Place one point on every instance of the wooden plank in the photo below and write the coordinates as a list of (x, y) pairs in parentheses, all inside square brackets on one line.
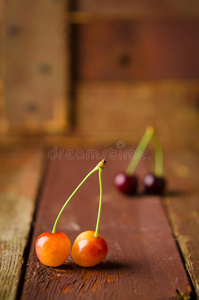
[(37, 67), (45, 141), (19, 180), (111, 111), (183, 209), (127, 50), (142, 9), (85, 17), (143, 261)]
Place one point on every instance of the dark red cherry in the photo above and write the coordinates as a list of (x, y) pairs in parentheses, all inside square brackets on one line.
[(154, 185), (126, 184)]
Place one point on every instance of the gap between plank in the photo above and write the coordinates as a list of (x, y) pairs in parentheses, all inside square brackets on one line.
[(29, 240), (192, 293)]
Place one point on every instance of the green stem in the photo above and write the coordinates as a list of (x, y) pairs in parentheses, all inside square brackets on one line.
[(100, 204), (140, 150), (158, 157), (61, 211)]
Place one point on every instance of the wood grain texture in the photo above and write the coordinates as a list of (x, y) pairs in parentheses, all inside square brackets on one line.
[(19, 180), (183, 209), (37, 64), (111, 111), (143, 261)]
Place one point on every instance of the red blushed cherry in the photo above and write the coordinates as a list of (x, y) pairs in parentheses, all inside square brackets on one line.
[(126, 184), (87, 250), (53, 248), (154, 185)]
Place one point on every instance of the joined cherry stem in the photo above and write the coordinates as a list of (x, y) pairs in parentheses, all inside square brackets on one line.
[(100, 204), (158, 157), (148, 135), (140, 150), (63, 207), (100, 166)]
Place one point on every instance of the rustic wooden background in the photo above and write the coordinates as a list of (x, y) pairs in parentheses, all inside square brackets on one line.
[(99, 72)]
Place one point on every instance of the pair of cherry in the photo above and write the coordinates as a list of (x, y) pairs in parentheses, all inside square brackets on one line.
[(128, 185), (127, 182), (89, 248)]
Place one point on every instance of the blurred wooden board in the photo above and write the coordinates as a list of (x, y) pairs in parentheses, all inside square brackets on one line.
[(143, 261), (111, 111), (36, 60), (142, 9), (128, 50), (20, 176)]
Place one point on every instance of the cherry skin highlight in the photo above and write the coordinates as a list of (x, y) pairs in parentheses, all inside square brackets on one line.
[(53, 248), (154, 185), (87, 250), (126, 184)]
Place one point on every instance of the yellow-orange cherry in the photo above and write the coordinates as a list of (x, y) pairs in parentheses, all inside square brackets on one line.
[(87, 250), (53, 248), (90, 248)]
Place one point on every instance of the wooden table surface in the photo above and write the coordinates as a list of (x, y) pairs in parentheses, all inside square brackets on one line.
[(153, 241)]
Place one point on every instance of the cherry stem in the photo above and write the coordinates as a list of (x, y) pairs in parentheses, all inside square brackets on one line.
[(101, 167), (100, 204), (149, 133), (61, 211), (158, 157)]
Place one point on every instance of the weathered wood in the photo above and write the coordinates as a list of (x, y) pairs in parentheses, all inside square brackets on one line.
[(111, 111), (183, 209), (20, 174), (37, 66), (143, 261)]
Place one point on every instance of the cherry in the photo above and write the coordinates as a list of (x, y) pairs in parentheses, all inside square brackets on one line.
[(87, 250), (126, 184), (53, 248), (154, 184), (90, 248)]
